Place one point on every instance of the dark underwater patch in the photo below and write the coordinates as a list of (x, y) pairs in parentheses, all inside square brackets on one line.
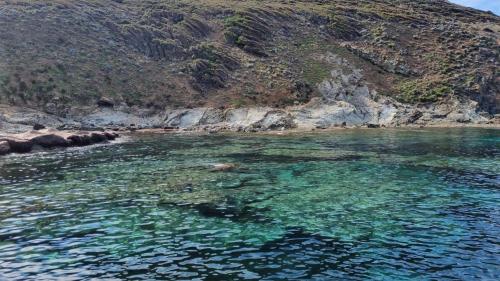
[(287, 159), (235, 213), (472, 178)]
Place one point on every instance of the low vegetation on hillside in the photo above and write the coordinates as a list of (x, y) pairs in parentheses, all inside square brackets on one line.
[(153, 54)]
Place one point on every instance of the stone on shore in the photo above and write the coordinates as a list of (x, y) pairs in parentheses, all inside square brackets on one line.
[(50, 138), (20, 146), (105, 102), (50, 141), (4, 147), (38, 127), (98, 137), (110, 136)]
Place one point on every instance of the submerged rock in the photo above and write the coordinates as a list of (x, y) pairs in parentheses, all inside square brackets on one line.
[(223, 167), (232, 212)]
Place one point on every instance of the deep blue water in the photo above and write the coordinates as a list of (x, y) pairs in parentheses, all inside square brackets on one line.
[(343, 205)]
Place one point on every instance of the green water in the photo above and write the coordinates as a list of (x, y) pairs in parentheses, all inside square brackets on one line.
[(343, 205)]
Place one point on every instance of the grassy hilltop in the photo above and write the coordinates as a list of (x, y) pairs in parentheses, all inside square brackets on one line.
[(226, 53)]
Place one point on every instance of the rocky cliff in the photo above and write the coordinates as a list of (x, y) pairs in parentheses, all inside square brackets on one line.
[(282, 64)]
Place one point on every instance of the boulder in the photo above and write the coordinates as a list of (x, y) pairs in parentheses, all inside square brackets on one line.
[(86, 140), (170, 128), (98, 137), (20, 146), (373, 126), (49, 141), (38, 127), (4, 147), (275, 120), (415, 116), (105, 102), (110, 136), (76, 140)]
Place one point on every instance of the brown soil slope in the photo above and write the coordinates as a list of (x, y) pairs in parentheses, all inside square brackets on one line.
[(58, 55)]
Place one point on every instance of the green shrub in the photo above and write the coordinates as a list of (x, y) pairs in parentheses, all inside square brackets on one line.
[(234, 20), (422, 91)]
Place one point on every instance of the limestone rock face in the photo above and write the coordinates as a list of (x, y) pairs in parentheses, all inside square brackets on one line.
[(276, 120), (185, 118)]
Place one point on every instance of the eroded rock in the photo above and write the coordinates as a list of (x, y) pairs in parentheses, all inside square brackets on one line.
[(38, 127), (105, 102), (98, 137), (20, 146), (50, 141), (50, 138), (4, 147)]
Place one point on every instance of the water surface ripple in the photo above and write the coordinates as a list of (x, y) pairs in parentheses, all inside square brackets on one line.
[(343, 205)]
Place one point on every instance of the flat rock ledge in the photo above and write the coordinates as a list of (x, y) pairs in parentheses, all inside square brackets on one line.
[(51, 138)]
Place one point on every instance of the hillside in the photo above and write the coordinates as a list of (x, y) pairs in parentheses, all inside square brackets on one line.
[(63, 55)]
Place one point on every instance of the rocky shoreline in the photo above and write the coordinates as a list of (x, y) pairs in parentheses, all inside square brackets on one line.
[(51, 138), (359, 109), (23, 130)]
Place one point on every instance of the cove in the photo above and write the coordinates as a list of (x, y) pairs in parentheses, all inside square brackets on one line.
[(395, 204)]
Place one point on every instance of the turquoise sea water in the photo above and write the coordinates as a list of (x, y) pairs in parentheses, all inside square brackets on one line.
[(343, 205)]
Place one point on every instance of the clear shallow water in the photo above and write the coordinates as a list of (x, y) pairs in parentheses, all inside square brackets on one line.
[(350, 205)]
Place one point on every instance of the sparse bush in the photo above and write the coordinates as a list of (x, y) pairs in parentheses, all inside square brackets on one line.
[(422, 91)]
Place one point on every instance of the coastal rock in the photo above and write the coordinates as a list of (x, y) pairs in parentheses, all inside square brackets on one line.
[(37, 127), (275, 120), (50, 141), (20, 146), (4, 147), (110, 135), (80, 140), (51, 138), (349, 104), (212, 116), (185, 118), (416, 115), (109, 118), (98, 137), (75, 140), (105, 102), (18, 119)]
